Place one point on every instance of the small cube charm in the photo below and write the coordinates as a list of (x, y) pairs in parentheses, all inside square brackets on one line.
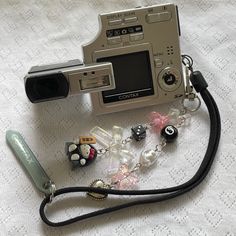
[(138, 132), (169, 133)]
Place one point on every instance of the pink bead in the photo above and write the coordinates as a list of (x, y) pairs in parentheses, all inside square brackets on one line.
[(129, 182), (124, 179), (158, 120)]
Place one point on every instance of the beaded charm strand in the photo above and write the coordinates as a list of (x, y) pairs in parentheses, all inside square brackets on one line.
[(122, 171)]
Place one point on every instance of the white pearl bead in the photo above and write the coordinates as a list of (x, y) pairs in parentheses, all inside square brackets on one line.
[(126, 157), (148, 158)]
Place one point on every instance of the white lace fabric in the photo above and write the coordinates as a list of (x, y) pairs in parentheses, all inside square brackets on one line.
[(40, 32)]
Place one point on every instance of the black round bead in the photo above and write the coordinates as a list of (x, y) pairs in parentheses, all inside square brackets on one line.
[(169, 133)]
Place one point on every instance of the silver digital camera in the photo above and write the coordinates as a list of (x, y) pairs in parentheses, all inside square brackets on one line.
[(142, 45)]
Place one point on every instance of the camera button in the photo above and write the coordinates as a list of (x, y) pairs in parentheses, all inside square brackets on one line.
[(115, 22), (169, 79), (131, 19), (157, 17), (124, 31), (136, 37), (114, 40), (165, 16), (158, 62)]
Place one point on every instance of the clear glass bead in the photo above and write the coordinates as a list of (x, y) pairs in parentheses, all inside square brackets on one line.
[(187, 119), (117, 133), (126, 157), (174, 115), (101, 135)]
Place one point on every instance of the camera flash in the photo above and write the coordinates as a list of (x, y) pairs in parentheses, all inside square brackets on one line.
[(92, 78), (96, 82)]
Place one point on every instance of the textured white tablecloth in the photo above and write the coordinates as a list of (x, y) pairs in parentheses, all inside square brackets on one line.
[(39, 32)]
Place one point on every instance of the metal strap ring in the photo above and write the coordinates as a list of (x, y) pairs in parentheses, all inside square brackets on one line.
[(193, 109)]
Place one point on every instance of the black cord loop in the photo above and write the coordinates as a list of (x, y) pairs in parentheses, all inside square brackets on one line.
[(159, 194)]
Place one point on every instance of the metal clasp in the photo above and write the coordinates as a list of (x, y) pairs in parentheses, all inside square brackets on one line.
[(189, 94), (51, 187)]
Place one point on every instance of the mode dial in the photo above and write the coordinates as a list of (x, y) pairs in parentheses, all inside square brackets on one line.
[(169, 79)]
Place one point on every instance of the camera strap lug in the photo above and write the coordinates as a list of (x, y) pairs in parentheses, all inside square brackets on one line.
[(190, 95)]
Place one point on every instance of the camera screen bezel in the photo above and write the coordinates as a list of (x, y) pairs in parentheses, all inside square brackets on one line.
[(133, 76), (128, 50)]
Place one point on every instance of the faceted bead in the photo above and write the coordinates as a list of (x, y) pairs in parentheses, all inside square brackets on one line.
[(124, 179), (128, 183), (115, 147), (117, 156), (187, 119), (112, 166), (158, 120), (148, 158), (126, 158), (138, 132), (174, 115), (169, 133)]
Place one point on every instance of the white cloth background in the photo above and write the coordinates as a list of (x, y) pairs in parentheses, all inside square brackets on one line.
[(39, 32)]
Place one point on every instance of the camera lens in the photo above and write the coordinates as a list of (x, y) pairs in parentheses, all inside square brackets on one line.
[(47, 87), (169, 79)]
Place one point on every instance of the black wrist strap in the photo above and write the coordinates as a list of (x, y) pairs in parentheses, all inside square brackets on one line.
[(155, 195)]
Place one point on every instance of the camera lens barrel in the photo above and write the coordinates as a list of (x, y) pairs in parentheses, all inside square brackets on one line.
[(48, 82), (45, 87)]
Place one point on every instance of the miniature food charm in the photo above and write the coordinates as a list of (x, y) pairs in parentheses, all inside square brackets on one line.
[(80, 154)]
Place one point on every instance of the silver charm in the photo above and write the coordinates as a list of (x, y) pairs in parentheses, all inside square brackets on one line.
[(98, 183)]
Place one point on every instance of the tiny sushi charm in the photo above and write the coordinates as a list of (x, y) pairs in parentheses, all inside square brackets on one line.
[(80, 154)]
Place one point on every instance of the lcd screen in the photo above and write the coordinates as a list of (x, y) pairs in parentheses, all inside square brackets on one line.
[(133, 77)]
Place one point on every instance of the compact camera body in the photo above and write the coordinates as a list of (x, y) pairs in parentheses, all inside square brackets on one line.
[(133, 62), (143, 46)]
